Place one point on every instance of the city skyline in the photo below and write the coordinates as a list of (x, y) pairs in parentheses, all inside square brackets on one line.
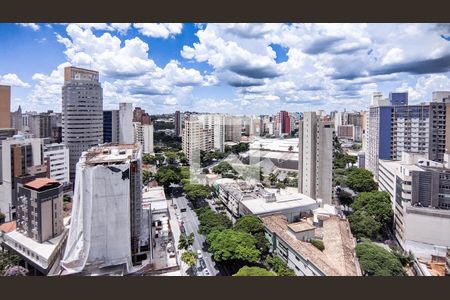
[(237, 68)]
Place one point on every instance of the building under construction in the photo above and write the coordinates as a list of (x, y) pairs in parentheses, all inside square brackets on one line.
[(106, 222)]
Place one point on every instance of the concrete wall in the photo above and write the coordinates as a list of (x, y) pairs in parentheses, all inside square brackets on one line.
[(125, 123)]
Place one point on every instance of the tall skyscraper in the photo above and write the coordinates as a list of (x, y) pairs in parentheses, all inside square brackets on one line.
[(125, 123), (40, 125), (107, 210), (285, 123), (57, 157), (178, 124), (82, 112), (143, 134), (5, 106), (139, 115), (315, 158), (111, 126), (16, 119), (196, 138)]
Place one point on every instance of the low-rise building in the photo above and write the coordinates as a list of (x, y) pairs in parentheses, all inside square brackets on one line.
[(291, 242)]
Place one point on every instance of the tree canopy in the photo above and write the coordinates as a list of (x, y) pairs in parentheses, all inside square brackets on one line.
[(363, 225), (376, 204), (167, 175), (254, 226), (210, 220), (185, 241), (195, 192), (147, 176), (377, 261), (7, 260), (360, 180), (230, 244), (189, 257), (279, 266), (253, 271), (224, 168)]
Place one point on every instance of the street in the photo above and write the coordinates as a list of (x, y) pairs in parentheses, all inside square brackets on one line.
[(191, 224)]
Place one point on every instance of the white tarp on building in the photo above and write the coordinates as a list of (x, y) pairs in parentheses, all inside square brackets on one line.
[(100, 228)]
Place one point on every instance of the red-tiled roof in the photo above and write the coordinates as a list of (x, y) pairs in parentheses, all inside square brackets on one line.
[(39, 183), (8, 227)]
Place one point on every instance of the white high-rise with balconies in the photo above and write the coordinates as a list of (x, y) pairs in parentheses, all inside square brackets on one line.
[(125, 123)]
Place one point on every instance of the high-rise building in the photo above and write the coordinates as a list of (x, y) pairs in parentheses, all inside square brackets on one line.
[(315, 157), (107, 210), (5, 133), (196, 138), (16, 119), (40, 209), (57, 156), (40, 125), (233, 128), (5, 106), (125, 123), (82, 112), (411, 128), (19, 156), (398, 98), (147, 146), (215, 122), (284, 122), (178, 125), (139, 115), (143, 134), (110, 126)]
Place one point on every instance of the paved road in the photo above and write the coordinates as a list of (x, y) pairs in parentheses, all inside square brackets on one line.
[(191, 224)]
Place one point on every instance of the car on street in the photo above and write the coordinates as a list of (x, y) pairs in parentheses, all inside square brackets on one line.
[(199, 254), (206, 272), (175, 206)]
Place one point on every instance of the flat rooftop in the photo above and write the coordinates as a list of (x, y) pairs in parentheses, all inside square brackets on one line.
[(154, 198), (277, 144), (301, 226), (338, 258), (259, 205), (110, 153)]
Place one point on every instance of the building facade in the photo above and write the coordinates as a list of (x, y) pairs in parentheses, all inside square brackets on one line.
[(5, 106), (110, 126), (82, 112), (178, 123), (315, 164), (125, 123), (57, 156)]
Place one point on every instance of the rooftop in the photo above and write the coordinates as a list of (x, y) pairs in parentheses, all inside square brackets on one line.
[(278, 144), (111, 153), (8, 227), (300, 226), (338, 258), (42, 183)]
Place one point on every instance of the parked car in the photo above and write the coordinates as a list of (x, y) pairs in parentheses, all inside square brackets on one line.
[(206, 272), (175, 206), (199, 254)]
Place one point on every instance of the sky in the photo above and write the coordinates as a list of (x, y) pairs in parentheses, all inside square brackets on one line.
[(227, 68)]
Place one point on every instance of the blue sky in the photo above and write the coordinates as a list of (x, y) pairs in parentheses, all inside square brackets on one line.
[(231, 68)]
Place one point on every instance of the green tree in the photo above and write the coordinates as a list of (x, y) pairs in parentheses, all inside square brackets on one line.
[(149, 159), (405, 258), (363, 225), (254, 226), (185, 241), (210, 221), (168, 175), (189, 258), (7, 260), (279, 266), (377, 261), (224, 168), (345, 198), (230, 244), (361, 180), (376, 204), (171, 157), (195, 192), (253, 271), (147, 176)]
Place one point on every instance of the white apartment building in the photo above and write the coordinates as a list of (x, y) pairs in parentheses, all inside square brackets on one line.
[(420, 193), (58, 156), (143, 134), (125, 123), (196, 138), (315, 163), (215, 122)]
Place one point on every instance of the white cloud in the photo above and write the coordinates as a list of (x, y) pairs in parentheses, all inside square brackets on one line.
[(424, 87), (395, 55), (159, 30), (33, 26), (13, 80)]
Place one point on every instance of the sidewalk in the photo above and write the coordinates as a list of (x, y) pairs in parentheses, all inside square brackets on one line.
[(176, 232)]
